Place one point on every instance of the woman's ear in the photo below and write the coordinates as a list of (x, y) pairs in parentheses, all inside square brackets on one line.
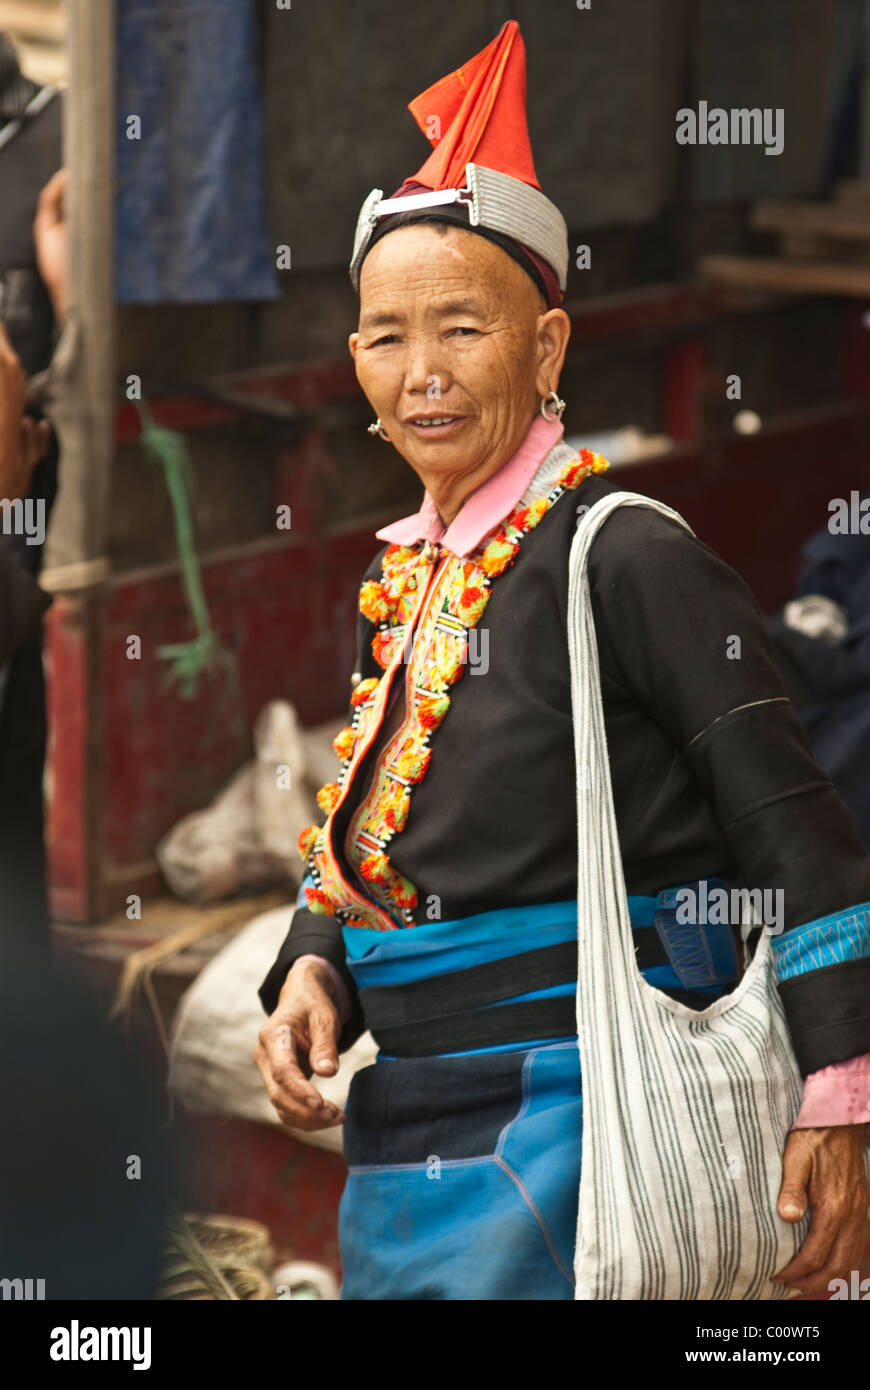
[(554, 330)]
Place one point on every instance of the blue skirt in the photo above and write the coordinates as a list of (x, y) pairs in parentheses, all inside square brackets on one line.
[(484, 1205), (464, 1166)]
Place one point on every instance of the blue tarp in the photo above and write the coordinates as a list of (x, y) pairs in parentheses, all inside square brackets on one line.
[(190, 224)]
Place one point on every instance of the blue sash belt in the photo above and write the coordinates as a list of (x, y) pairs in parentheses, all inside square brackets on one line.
[(449, 987)]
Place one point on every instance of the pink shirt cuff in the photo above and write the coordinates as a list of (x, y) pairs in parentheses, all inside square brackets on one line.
[(837, 1095), (344, 1009)]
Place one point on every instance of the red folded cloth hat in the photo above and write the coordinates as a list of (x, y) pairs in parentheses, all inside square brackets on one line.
[(477, 114), (475, 119)]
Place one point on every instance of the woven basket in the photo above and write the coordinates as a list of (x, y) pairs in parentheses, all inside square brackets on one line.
[(216, 1257)]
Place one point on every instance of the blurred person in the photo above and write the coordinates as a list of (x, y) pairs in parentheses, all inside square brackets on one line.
[(84, 1167), (441, 899), (32, 291), (30, 155), (23, 441), (84, 1164), (821, 640)]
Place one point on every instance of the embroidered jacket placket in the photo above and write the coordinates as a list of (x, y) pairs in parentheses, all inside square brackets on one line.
[(416, 620)]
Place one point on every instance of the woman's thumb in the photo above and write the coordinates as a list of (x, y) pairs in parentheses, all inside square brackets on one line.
[(323, 1053), (797, 1165)]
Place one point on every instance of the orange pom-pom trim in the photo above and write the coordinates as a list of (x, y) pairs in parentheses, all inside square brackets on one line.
[(431, 709), (373, 603), (307, 840), (343, 743), (328, 796), (365, 688), (320, 902), (375, 867), (383, 648)]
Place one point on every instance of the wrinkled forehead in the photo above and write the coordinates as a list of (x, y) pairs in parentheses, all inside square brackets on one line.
[(437, 261)]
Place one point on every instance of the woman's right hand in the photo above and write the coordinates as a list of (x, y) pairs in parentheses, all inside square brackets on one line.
[(299, 1038)]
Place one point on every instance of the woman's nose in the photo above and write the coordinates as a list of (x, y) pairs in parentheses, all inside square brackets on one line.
[(425, 370)]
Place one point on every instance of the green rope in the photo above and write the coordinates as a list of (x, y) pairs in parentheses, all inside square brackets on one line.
[(188, 660)]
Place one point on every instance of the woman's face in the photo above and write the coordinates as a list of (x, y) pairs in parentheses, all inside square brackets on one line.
[(452, 330)]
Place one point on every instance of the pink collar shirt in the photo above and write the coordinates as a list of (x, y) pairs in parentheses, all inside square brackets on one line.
[(487, 506)]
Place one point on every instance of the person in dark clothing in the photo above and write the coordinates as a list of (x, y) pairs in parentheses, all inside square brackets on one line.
[(30, 157), (23, 442), (821, 641), (85, 1166)]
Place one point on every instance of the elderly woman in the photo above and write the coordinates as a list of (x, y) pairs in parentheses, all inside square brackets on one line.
[(440, 900)]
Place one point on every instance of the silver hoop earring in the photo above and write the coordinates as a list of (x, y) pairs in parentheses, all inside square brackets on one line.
[(376, 428), (558, 406)]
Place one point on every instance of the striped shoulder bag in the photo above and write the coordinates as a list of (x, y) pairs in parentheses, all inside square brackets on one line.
[(685, 1114)]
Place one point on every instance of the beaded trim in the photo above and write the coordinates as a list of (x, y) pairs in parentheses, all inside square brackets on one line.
[(449, 599)]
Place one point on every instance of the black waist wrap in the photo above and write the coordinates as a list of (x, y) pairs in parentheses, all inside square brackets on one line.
[(462, 1010)]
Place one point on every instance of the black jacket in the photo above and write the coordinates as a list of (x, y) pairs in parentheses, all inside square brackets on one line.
[(711, 769)]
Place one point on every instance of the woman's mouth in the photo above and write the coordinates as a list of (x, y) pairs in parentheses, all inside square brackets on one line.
[(435, 426)]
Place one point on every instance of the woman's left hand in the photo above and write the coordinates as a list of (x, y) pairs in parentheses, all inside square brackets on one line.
[(824, 1168)]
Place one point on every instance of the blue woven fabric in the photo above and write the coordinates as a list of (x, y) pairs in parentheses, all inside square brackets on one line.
[(702, 953), (842, 936)]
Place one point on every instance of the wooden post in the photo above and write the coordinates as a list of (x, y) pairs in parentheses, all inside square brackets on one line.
[(82, 409)]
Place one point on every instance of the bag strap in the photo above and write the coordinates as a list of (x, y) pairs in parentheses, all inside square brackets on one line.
[(602, 903)]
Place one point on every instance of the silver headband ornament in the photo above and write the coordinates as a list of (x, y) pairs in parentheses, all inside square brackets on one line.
[(495, 201)]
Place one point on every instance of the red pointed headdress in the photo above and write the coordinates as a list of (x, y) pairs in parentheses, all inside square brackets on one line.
[(477, 114), (480, 173)]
